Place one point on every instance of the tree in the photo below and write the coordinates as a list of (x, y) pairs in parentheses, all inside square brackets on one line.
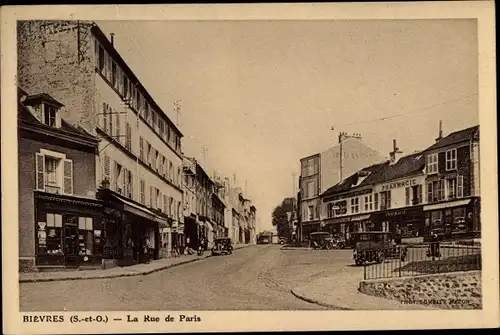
[(280, 218)]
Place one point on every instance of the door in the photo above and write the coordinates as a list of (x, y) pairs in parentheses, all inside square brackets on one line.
[(71, 241)]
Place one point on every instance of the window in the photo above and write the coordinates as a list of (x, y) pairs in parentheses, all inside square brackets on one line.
[(54, 173), (162, 128), (117, 132), (149, 152), (49, 115), (416, 194), (385, 200), (432, 163), (154, 118), (451, 159), (310, 167), (141, 149), (100, 59), (152, 193), (50, 240), (329, 209), (143, 192), (179, 210), (126, 87), (311, 189), (310, 212), (154, 154), (128, 183), (116, 182), (170, 170), (138, 100), (113, 74), (460, 186), (452, 188), (165, 204), (85, 236), (435, 191), (368, 203), (128, 136), (355, 205), (375, 205), (168, 134)]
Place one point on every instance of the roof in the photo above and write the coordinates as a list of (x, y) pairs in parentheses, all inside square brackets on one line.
[(405, 166), (382, 172), (31, 99), (26, 117), (348, 183), (463, 135)]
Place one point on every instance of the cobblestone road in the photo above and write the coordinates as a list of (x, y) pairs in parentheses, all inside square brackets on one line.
[(253, 278)]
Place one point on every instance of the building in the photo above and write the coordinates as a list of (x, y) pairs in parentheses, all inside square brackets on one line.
[(190, 204), (453, 187), (60, 219), (139, 161), (435, 191), (219, 209), (323, 170)]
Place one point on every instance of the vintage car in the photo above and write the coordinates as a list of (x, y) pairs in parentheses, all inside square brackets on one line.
[(321, 240), (376, 246), (222, 246)]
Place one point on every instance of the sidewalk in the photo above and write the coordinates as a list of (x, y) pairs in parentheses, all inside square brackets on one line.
[(341, 292), (134, 270)]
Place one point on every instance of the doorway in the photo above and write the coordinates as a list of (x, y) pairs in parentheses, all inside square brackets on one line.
[(71, 241)]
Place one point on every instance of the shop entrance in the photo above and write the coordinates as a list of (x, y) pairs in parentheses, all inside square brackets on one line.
[(70, 241)]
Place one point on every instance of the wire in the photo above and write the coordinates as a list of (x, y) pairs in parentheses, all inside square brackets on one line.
[(419, 110)]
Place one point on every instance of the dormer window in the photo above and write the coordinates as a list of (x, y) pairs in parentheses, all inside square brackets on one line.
[(50, 115), (45, 108)]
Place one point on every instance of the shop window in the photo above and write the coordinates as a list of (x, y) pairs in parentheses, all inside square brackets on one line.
[(85, 236), (50, 241), (54, 173)]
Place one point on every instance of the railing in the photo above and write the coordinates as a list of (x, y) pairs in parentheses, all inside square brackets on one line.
[(421, 259)]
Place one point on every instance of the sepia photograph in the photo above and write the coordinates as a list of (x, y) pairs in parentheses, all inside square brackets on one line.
[(189, 165)]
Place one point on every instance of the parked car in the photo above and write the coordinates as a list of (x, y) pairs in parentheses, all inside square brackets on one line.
[(282, 240), (222, 246), (376, 246), (322, 240)]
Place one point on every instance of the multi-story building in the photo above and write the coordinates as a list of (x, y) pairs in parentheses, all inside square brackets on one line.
[(452, 183), (218, 210), (60, 219), (190, 204), (323, 170), (435, 191), (139, 160), (382, 197)]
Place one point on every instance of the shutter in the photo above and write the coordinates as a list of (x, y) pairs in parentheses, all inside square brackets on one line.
[(131, 185), (40, 172), (118, 127), (441, 162), (407, 193), (68, 177), (419, 194), (125, 183), (150, 196), (110, 119), (105, 117), (460, 186)]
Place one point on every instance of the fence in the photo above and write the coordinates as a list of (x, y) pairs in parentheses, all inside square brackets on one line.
[(419, 259)]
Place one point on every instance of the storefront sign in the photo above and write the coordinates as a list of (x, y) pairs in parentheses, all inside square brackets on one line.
[(397, 184), (396, 213)]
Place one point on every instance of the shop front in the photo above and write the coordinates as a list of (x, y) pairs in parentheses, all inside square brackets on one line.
[(191, 231), (345, 226), (68, 231), (459, 218), (405, 222), (131, 233)]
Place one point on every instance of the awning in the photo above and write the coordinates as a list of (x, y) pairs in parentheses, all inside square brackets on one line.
[(447, 205), (346, 219), (138, 210)]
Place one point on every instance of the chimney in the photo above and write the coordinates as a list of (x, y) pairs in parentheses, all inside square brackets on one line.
[(112, 39), (440, 136), (395, 154)]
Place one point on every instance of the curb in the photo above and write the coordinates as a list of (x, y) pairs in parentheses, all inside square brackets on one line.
[(316, 302), (127, 274)]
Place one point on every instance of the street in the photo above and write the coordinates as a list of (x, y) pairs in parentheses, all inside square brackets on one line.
[(255, 278)]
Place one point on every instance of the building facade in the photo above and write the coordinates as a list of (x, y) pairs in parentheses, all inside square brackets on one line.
[(435, 191), (452, 180), (139, 161), (60, 219), (323, 170)]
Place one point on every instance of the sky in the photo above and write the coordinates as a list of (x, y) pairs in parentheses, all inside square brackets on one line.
[(260, 95)]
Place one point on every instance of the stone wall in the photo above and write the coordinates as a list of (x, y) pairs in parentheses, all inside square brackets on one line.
[(457, 290)]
